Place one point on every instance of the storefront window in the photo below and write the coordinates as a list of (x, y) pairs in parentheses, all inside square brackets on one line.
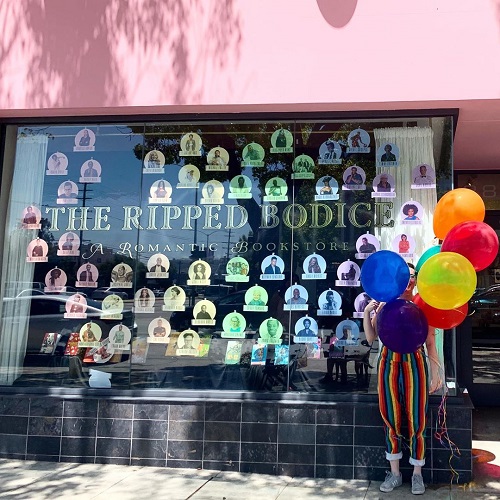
[(210, 255)]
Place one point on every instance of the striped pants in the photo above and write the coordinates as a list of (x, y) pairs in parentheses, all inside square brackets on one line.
[(402, 384)]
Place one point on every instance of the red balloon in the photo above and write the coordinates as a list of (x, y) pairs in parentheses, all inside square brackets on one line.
[(476, 241), (441, 318)]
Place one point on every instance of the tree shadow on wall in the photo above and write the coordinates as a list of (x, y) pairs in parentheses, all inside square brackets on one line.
[(87, 52)]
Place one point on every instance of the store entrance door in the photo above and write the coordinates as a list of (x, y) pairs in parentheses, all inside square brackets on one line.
[(483, 325)]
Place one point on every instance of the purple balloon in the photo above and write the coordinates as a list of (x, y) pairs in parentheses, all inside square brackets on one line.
[(402, 326)]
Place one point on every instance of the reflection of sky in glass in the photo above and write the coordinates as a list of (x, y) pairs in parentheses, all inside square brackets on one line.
[(124, 184)]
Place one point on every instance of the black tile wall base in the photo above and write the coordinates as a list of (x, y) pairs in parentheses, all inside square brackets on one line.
[(342, 440)]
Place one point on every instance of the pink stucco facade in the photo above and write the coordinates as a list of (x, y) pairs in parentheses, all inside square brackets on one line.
[(63, 57)]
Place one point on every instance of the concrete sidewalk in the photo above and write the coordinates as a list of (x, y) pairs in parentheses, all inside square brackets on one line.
[(39, 480)]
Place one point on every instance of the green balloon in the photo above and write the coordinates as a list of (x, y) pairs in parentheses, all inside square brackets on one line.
[(428, 253)]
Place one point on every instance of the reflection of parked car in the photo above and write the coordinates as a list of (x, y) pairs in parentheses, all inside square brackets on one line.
[(102, 293), (46, 314), (484, 308)]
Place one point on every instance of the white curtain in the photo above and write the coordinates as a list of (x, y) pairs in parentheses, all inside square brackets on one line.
[(26, 189), (415, 147)]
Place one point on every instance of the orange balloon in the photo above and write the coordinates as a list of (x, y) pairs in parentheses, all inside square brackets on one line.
[(456, 206)]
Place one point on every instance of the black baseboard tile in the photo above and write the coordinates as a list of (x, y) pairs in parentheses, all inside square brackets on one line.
[(80, 408), (369, 436), (45, 426), (40, 457), (227, 431), (111, 409), (297, 415), (13, 443), (78, 447), (184, 464), (150, 411), (190, 431), (12, 456), (115, 428), (13, 425), (219, 465), (371, 473), (148, 462), (369, 456), (445, 476), (78, 426), (368, 416), (296, 454), (253, 432), (187, 412), (334, 455), (113, 447), (43, 445), (213, 451), (259, 468), (150, 429), (77, 460), (227, 412), (334, 471), (112, 460), (149, 448), (14, 406), (259, 413), (185, 450), (335, 434), (46, 407), (261, 452), (295, 470), (335, 415)]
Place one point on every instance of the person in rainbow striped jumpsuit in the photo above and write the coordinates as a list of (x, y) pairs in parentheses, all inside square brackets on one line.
[(403, 385)]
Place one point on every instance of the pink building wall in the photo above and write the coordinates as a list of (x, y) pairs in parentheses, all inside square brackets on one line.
[(60, 57)]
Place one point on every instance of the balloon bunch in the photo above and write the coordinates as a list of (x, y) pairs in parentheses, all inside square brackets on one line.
[(447, 273), (401, 325)]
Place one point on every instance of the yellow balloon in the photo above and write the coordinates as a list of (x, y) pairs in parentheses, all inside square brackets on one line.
[(446, 280)]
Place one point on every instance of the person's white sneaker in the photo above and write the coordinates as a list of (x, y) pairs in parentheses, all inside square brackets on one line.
[(391, 481), (417, 484)]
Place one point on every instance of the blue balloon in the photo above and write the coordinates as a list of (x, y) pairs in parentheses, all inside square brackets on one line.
[(428, 253), (385, 275), (402, 326)]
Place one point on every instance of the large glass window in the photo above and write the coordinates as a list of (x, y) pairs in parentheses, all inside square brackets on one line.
[(210, 255)]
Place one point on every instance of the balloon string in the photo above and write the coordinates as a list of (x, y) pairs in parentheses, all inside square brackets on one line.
[(441, 433)]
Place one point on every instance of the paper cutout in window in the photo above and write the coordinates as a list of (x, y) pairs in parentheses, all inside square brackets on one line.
[(217, 160), (360, 303), (55, 280), (411, 213), (144, 301), (237, 270), (253, 155), (240, 187), (259, 354), (276, 190), (57, 164), (233, 326), (423, 177), (272, 268), (122, 276), (281, 141), (358, 141), (112, 307), (314, 267), (199, 273), (212, 193), (281, 354), (233, 352), (188, 343), (404, 244), (189, 176), (327, 189), (91, 171), (387, 155), (31, 218), (158, 266), (90, 334), (87, 276), (67, 193), (256, 299), (154, 162), (37, 251), (120, 336), (174, 299), (84, 140), (330, 303), (139, 350), (348, 274), (366, 244), (68, 245), (190, 144), (303, 167), (159, 331), (354, 178), (160, 193), (384, 186), (76, 306), (270, 331), (204, 313), (296, 298), (330, 153), (306, 330)]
